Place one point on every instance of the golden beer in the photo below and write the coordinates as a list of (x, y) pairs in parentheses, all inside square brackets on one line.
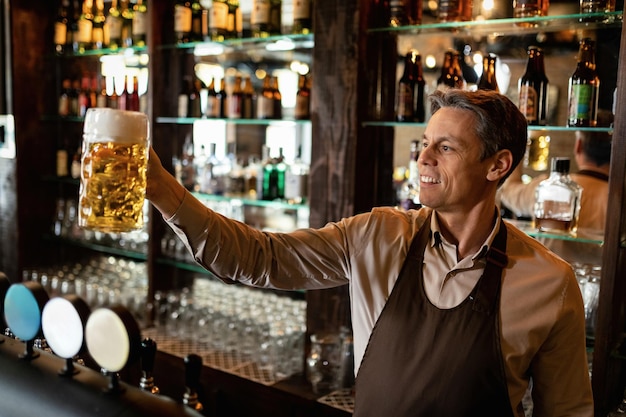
[(113, 170)]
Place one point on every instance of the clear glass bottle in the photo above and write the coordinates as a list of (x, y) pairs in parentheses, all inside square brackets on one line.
[(584, 87), (533, 88), (557, 200), (296, 180)]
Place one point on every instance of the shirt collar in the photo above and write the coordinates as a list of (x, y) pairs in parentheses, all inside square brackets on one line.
[(436, 238)]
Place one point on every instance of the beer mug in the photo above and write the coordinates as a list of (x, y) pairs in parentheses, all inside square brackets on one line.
[(113, 170)]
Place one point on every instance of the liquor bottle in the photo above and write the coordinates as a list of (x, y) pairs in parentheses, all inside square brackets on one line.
[(584, 86), (557, 200), (123, 95), (235, 103), (276, 13), (405, 12), (140, 23), (488, 77), (75, 165), (265, 100), (533, 88), (195, 104), (102, 98), (596, 6), (260, 18), (132, 101), (223, 98), (62, 162), (113, 27), (73, 97), (72, 27), (419, 109), (274, 178), (188, 171), (406, 94), (218, 20), (278, 99), (182, 21), (208, 182), (64, 98), (454, 10), (302, 17), (409, 195), (303, 99), (196, 21), (97, 29), (182, 109), (127, 23), (212, 109), (85, 27), (248, 104), (83, 96), (235, 20), (451, 73), (297, 180), (61, 27)]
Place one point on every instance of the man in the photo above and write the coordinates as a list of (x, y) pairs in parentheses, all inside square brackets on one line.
[(592, 153), (453, 310)]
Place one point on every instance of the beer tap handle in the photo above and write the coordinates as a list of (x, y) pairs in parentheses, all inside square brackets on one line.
[(148, 354), (193, 369)]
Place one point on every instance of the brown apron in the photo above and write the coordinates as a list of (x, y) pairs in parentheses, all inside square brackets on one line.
[(428, 362)]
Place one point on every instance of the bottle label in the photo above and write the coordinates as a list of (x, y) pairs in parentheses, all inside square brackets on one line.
[(581, 101), (295, 186), (182, 19), (84, 31), (528, 102), (218, 19), (265, 108), (302, 9), (260, 13), (405, 101), (60, 33), (140, 24), (114, 25)]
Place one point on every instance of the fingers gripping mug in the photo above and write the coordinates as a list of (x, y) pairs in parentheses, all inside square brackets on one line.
[(113, 170)]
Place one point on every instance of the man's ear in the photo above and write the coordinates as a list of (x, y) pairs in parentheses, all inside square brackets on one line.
[(502, 163)]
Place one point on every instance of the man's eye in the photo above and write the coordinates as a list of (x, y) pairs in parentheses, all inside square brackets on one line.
[(445, 148)]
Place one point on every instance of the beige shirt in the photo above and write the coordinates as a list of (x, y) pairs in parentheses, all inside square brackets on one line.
[(542, 316)]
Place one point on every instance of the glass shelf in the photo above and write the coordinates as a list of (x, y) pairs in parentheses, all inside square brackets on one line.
[(582, 236), (512, 26), (277, 42), (551, 128), (100, 248), (284, 205), (260, 122), (132, 50)]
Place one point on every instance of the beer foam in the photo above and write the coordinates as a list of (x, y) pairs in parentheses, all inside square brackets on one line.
[(117, 125)]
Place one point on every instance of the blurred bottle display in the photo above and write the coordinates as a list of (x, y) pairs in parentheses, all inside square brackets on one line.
[(487, 79), (265, 100), (260, 23), (276, 13), (212, 109), (596, 6), (454, 10), (451, 73), (234, 28), (197, 32), (72, 27), (223, 97), (140, 23), (405, 12), (303, 99), (297, 180), (557, 200), (302, 17), (410, 94), (529, 8), (235, 103), (113, 27), (274, 177), (533, 88), (584, 86), (248, 104), (61, 27), (277, 99)]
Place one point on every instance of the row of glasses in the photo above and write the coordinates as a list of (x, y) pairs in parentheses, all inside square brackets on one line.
[(101, 281), (259, 325)]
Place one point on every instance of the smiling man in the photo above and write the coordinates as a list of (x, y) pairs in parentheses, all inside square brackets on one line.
[(454, 311)]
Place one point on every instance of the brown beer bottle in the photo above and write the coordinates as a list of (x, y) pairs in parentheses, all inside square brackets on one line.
[(410, 94), (584, 86), (488, 77), (533, 88), (451, 73)]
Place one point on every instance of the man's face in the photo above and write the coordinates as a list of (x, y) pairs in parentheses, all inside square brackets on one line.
[(452, 176)]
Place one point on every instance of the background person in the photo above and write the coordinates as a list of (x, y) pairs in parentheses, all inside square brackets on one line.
[(453, 310)]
